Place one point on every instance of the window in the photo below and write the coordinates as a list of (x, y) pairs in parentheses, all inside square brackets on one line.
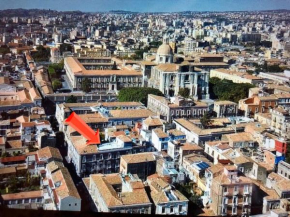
[(69, 205), (234, 210), (84, 167), (246, 188), (180, 208), (76, 204), (163, 209), (225, 189), (236, 188), (94, 157), (84, 159), (235, 200), (171, 209), (101, 156)]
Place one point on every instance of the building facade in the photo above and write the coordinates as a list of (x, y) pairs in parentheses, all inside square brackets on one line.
[(102, 72)]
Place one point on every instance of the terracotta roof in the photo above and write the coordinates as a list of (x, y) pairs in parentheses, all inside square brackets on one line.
[(2, 140), (7, 170), (79, 142), (14, 144), (281, 183), (167, 67), (133, 113), (78, 69), (93, 118), (114, 179), (4, 80), (124, 138), (225, 103), (150, 121), (28, 124), (176, 132), (191, 147), (120, 104), (239, 74), (110, 196), (34, 94), (160, 134), (138, 158), (13, 159), (23, 195), (216, 168), (240, 137), (67, 187), (223, 179), (24, 96), (49, 152), (54, 165)]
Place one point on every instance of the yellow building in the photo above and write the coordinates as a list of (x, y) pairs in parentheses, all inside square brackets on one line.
[(236, 77)]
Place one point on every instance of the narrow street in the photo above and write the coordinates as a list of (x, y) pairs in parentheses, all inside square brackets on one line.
[(87, 202)]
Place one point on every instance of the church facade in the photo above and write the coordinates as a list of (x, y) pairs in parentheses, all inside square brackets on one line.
[(169, 77)]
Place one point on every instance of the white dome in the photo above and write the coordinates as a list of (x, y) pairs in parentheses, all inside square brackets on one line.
[(164, 49)]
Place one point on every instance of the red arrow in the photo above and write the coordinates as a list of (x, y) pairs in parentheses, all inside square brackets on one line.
[(79, 125)]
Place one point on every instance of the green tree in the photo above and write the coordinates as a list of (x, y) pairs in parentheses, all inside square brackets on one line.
[(205, 120), (65, 47), (137, 94), (6, 154), (86, 85), (55, 69), (227, 90), (56, 84), (155, 44), (184, 92), (72, 99), (274, 68), (41, 54), (51, 72), (4, 50)]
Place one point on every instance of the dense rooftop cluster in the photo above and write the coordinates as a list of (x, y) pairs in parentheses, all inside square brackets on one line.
[(193, 111)]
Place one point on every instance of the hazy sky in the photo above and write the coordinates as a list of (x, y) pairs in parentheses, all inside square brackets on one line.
[(147, 5)]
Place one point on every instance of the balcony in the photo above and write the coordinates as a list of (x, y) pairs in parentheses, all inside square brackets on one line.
[(246, 191), (235, 192), (226, 193), (245, 203)]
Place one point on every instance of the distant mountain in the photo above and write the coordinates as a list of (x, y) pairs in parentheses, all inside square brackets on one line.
[(122, 12), (20, 12)]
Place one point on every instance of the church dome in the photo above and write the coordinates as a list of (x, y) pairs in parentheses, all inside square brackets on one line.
[(164, 49)]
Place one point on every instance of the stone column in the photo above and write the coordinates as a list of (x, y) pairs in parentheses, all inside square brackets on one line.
[(195, 84), (191, 84), (177, 83)]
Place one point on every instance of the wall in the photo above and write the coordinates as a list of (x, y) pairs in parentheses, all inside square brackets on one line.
[(70, 204)]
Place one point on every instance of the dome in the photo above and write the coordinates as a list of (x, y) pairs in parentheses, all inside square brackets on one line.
[(164, 49)]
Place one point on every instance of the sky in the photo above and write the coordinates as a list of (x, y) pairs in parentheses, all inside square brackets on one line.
[(147, 5)]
